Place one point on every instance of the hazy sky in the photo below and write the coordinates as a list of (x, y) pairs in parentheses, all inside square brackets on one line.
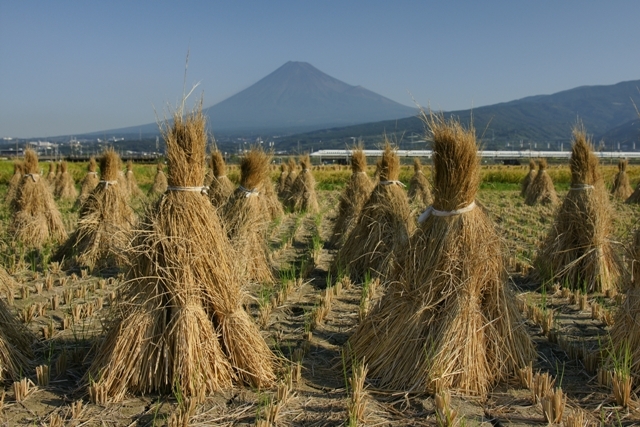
[(68, 67)]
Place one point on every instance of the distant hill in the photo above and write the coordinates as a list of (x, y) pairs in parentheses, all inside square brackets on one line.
[(543, 121)]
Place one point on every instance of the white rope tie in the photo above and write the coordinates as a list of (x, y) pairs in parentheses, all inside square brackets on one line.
[(203, 190), (92, 173), (581, 187), (249, 193), (34, 176), (107, 183), (432, 211), (392, 182)]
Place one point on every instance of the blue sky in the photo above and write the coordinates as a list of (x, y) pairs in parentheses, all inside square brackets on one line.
[(68, 67)]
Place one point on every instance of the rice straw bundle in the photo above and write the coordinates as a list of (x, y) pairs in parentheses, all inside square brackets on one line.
[(383, 227), (180, 323), (89, 182), (419, 191), (14, 182), (302, 196), (36, 217), (282, 180), (448, 321), (621, 187), (221, 186), (159, 182), (246, 218), (353, 197), (104, 227), (15, 345), (7, 283), (528, 179), (58, 174), (578, 252), (288, 185), (274, 207), (65, 187), (541, 190), (51, 176), (132, 184), (123, 184), (625, 329)]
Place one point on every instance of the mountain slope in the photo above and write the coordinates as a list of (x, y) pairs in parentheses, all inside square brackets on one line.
[(543, 119), (299, 95)]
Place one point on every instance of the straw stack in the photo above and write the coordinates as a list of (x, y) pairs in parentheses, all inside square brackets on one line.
[(578, 252), (132, 183), (625, 329), (180, 323), (419, 191), (65, 187), (282, 180), (36, 217), (621, 188), (221, 186), (159, 182), (246, 218), (104, 227), (383, 228), (89, 182), (288, 184), (541, 190), (15, 345), (14, 182), (354, 196), (302, 196), (528, 179), (449, 321), (51, 176), (274, 207)]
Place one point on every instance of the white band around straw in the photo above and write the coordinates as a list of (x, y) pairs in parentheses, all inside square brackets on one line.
[(432, 211), (249, 193), (392, 182), (203, 189), (92, 173), (581, 187), (34, 176), (107, 183)]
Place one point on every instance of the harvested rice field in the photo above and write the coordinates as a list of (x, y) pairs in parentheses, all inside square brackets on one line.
[(307, 315)]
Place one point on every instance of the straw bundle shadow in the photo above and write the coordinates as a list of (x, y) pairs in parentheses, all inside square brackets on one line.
[(159, 182), (288, 184), (419, 187), (578, 252), (528, 179), (383, 227), (14, 182), (15, 345), (448, 321), (132, 183), (302, 196), (36, 217), (541, 190), (625, 329), (180, 323), (89, 182), (246, 218), (353, 197), (621, 188), (104, 226), (65, 187), (221, 186)]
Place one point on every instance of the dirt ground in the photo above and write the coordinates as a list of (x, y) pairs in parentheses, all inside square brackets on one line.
[(319, 395)]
